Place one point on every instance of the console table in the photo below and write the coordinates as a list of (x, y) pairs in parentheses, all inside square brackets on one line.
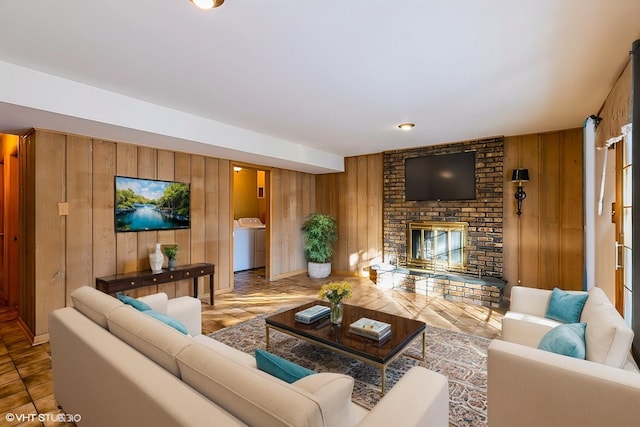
[(140, 279)]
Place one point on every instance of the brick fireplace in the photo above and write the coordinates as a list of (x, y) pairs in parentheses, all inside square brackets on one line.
[(437, 245), (477, 269)]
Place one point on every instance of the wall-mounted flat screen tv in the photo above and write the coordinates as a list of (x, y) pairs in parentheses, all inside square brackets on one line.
[(149, 204), (441, 177)]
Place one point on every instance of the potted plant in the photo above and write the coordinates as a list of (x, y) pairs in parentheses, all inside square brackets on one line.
[(171, 252), (320, 231)]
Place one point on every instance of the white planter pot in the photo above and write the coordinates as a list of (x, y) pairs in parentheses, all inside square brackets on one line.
[(319, 270)]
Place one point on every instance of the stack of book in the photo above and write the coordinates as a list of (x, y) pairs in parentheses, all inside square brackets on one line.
[(370, 328), (312, 314)]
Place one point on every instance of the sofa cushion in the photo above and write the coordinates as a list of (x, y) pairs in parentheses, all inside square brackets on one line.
[(94, 304), (158, 302), (334, 394), (229, 352), (526, 329), (608, 337), (167, 320), (281, 368), (527, 300), (137, 304), (253, 396), (150, 337), (567, 340), (597, 297), (566, 307), (188, 310)]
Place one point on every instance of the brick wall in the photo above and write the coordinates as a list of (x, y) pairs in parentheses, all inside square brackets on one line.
[(484, 214)]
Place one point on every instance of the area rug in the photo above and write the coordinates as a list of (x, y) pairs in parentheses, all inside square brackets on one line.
[(461, 357)]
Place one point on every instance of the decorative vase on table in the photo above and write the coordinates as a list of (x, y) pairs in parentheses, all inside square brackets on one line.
[(156, 259), (336, 313), (335, 292)]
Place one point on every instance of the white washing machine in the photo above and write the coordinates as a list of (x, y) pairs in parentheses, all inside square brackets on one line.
[(249, 244), (260, 247), (242, 247)]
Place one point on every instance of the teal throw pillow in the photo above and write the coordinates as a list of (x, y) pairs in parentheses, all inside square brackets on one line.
[(135, 303), (279, 367), (565, 307), (566, 339), (174, 323)]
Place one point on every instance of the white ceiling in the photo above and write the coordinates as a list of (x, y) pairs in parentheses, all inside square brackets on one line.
[(300, 84)]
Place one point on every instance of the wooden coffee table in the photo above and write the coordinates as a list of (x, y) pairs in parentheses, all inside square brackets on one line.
[(339, 339)]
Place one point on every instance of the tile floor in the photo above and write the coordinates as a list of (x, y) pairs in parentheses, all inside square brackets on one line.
[(25, 372)]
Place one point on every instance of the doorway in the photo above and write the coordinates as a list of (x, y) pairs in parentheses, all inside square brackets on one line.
[(250, 215), (9, 202)]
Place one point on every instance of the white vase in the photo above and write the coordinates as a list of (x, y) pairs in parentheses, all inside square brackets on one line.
[(156, 259)]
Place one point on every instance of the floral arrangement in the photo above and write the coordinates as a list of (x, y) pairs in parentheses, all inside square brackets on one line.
[(336, 291)]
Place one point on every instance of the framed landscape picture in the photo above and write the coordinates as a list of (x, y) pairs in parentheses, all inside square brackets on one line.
[(150, 204)]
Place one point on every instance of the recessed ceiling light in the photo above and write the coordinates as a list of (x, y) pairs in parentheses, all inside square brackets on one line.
[(406, 126), (207, 4)]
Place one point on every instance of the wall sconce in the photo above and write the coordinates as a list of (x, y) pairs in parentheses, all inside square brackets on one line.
[(520, 176)]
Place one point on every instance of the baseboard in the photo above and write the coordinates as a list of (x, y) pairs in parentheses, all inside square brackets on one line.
[(347, 273), (33, 339), (289, 274)]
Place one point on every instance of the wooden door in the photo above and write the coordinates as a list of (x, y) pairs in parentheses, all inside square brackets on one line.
[(11, 233)]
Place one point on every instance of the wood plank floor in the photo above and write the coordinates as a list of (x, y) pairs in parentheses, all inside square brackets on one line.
[(25, 371), (253, 295)]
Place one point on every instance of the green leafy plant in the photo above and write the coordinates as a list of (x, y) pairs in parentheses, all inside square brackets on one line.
[(171, 251), (320, 231)]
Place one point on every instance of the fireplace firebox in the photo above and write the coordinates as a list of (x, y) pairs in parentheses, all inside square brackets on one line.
[(437, 246)]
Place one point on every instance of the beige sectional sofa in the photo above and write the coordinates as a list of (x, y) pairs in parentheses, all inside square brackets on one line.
[(532, 387), (114, 365)]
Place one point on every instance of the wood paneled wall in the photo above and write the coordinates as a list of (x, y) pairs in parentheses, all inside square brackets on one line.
[(354, 198), (292, 199), (544, 247), (42, 230), (61, 253)]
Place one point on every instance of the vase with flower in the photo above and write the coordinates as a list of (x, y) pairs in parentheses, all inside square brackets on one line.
[(335, 292)]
